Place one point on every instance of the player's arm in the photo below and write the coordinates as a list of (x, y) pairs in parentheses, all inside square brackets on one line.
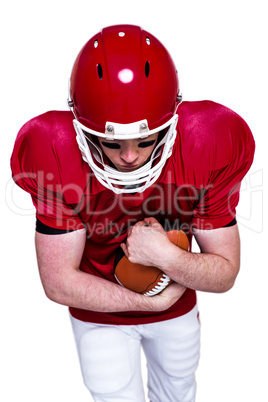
[(59, 258), (220, 255), (213, 270)]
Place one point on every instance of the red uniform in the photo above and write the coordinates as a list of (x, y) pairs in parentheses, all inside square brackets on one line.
[(198, 186)]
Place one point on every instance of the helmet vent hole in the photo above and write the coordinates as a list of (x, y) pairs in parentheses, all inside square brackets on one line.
[(100, 72), (147, 69), (96, 43), (148, 41)]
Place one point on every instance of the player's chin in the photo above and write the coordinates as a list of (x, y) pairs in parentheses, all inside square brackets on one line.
[(130, 168)]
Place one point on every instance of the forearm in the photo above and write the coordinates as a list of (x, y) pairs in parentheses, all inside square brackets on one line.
[(200, 271), (64, 283), (88, 292)]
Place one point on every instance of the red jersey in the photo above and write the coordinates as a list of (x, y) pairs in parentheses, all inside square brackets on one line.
[(198, 187)]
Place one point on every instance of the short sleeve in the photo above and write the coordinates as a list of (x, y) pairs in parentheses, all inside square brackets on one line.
[(36, 168), (221, 156), (219, 198)]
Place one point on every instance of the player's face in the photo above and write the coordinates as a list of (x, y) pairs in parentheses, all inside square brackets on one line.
[(129, 155)]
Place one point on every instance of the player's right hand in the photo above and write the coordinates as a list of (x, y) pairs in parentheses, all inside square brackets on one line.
[(168, 297)]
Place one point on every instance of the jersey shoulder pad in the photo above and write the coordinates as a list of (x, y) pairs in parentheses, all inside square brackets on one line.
[(211, 134), (46, 149)]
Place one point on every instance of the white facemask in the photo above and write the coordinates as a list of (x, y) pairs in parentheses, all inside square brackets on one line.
[(125, 182)]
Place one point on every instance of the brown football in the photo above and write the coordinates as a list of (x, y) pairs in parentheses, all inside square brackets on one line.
[(143, 279)]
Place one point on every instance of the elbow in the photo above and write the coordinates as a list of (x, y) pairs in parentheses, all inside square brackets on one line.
[(221, 287), (227, 286), (55, 293), (229, 282)]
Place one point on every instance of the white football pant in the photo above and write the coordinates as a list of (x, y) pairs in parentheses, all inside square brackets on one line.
[(110, 359)]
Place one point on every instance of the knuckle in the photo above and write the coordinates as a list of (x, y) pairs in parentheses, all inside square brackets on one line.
[(131, 258)]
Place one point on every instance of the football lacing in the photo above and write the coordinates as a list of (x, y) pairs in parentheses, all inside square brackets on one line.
[(164, 281)]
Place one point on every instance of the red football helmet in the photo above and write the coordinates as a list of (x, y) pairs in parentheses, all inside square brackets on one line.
[(124, 85)]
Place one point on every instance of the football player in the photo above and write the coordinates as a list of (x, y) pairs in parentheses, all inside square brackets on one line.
[(126, 163)]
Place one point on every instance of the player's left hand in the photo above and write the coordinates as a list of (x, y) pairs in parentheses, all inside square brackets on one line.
[(147, 243)]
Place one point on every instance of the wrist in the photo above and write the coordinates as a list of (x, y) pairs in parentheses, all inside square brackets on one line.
[(169, 258)]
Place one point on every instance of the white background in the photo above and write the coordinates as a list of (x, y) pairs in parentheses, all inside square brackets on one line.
[(220, 49)]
